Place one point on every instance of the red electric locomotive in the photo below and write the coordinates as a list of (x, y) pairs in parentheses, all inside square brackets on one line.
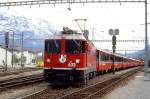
[(71, 59)]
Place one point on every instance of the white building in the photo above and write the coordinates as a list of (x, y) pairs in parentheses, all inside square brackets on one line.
[(3, 56), (30, 56)]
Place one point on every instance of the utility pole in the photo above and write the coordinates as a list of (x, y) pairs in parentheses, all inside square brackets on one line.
[(22, 50), (6, 46), (13, 51), (146, 43)]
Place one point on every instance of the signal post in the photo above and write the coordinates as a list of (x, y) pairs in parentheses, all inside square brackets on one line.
[(113, 33)]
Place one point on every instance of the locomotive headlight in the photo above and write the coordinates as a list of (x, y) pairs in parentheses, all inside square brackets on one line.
[(48, 60), (77, 60)]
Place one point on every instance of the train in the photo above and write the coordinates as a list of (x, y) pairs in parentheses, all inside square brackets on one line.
[(70, 58)]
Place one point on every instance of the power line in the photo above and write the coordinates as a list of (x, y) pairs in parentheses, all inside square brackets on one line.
[(39, 2), (134, 41)]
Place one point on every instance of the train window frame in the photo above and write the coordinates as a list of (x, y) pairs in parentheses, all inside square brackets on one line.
[(101, 56), (54, 50), (69, 47), (97, 56)]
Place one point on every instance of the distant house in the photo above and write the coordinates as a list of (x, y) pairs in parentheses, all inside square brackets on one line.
[(29, 56), (3, 56)]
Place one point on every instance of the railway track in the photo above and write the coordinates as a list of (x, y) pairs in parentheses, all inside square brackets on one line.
[(15, 82), (97, 90), (49, 93), (88, 91), (18, 71)]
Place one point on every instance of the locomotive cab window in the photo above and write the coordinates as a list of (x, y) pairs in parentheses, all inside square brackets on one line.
[(52, 46), (74, 46)]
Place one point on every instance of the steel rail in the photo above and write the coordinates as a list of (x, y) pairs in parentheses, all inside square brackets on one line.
[(18, 71), (57, 93), (20, 81), (113, 84), (53, 93), (98, 88)]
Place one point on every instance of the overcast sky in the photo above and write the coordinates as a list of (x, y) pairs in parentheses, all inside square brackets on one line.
[(127, 17)]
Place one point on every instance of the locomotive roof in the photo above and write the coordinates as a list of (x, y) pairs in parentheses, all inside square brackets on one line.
[(68, 36)]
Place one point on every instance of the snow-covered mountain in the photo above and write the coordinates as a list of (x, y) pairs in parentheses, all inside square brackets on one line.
[(140, 54), (34, 31)]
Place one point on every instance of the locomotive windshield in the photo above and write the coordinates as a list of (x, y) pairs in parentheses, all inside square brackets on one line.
[(75, 46), (52, 46)]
